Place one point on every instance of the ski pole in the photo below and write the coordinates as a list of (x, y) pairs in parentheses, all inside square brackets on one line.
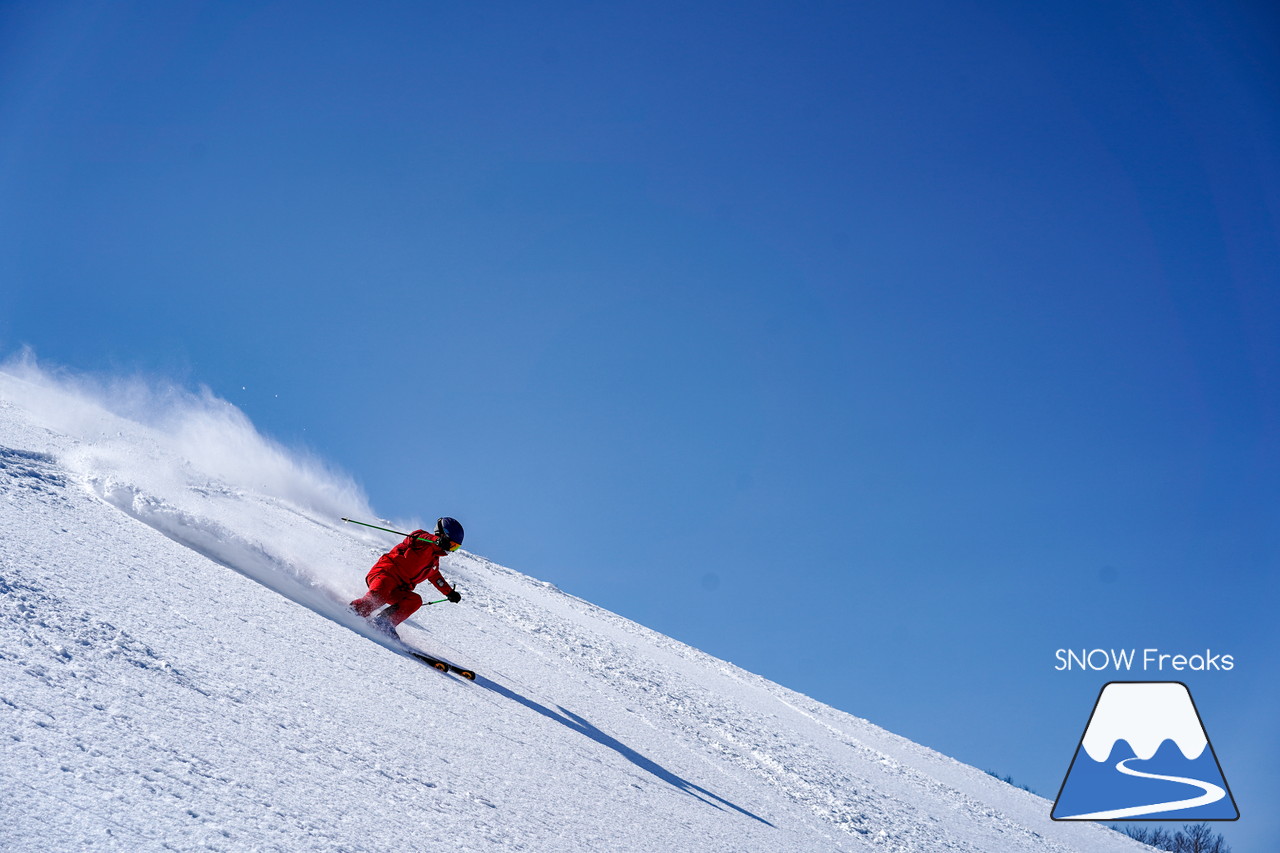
[(389, 530)]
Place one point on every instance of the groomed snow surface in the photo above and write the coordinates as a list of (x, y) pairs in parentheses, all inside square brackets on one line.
[(178, 671)]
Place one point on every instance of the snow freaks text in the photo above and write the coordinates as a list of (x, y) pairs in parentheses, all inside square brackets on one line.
[(1145, 660)]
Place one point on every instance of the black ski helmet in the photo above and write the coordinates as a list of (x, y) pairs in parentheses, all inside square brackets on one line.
[(451, 529)]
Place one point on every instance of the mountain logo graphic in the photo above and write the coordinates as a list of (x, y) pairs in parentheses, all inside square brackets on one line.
[(1145, 755)]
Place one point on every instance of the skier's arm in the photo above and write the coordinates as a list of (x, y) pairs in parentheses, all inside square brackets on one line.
[(438, 581)]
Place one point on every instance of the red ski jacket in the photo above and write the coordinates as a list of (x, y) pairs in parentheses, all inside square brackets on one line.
[(413, 561)]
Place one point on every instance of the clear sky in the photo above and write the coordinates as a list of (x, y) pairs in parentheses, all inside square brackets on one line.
[(881, 348)]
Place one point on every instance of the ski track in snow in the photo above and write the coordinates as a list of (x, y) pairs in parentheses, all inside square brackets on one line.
[(177, 671)]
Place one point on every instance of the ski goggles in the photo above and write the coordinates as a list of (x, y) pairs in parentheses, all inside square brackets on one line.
[(448, 544)]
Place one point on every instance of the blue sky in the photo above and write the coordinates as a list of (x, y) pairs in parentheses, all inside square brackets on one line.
[(883, 349)]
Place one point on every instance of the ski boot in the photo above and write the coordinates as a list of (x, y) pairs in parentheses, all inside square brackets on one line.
[(383, 623)]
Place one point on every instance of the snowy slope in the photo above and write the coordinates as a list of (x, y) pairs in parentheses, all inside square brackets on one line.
[(177, 669)]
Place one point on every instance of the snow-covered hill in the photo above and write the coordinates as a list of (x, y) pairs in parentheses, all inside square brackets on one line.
[(178, 670)]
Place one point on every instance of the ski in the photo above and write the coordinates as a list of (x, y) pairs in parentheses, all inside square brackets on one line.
[(384, 627), (443, 666)]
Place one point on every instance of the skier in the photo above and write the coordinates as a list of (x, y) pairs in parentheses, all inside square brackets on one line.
[(397, 572)]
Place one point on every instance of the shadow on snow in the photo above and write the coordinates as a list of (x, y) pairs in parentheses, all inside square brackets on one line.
[(572, 721)]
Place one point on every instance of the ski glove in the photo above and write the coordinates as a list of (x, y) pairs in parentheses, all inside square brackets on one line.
[(454, 596)]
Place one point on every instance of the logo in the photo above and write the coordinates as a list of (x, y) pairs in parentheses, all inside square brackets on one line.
[(1145, 755)]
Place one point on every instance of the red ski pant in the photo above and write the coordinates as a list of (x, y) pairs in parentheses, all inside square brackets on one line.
[(388, 589)]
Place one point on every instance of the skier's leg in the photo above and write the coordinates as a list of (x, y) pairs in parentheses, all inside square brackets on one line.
[(382, 590), (366, 605), (403, 609)]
